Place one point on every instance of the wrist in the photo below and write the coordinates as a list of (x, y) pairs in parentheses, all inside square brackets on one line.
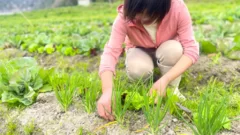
[(166, 78), (107, 91)]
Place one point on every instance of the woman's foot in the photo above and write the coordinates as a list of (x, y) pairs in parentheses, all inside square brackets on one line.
[(180, 95)]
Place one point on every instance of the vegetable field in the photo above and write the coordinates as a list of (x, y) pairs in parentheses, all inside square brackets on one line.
[(49, 80)]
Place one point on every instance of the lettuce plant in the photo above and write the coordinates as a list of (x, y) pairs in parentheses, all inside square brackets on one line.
[(20, 80)]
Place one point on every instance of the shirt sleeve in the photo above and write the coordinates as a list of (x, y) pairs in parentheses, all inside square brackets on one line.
[(113, 48), (186, 34)]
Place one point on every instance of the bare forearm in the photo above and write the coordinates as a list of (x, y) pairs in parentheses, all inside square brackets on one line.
[(181, 66), (107, 84)]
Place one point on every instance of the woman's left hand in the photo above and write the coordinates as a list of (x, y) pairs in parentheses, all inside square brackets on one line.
[(160, 86)]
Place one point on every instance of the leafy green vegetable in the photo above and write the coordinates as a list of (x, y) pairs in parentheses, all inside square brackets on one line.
[(20, 80), (135, 99), (208, 47), (119, 105), (33, 48), (49, 49), (234, 55), (40, 50), (68, 51)]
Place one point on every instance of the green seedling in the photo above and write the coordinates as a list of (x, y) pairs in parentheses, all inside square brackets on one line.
[(211, 116), (215, 59), (11, 128), (91, 92), (119, 106), (29, 128), (155, 112), (65, 86)]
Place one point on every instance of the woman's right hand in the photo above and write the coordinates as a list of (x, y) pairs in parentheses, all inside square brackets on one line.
[(104, 106)]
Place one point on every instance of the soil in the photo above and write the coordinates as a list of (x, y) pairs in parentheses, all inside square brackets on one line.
[(49, 119)]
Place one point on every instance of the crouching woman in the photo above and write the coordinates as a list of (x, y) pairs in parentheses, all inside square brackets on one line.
[(157, 33)]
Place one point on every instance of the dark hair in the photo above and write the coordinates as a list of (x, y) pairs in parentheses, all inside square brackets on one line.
[(154, 9)]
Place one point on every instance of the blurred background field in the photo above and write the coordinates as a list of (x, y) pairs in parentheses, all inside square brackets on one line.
[(84, 29)]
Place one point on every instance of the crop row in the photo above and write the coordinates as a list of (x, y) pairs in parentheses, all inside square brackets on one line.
[(22, 80), (87, 36)]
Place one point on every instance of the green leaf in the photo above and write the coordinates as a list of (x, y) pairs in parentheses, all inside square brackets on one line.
[(45, 73), (236, 47), (41, 50), (237, 39), (12, 98), (208, 47), (228, 125), (37, 84), (136, 100), (22, 62), (49, 48), (33, 48), (68, 51), (20, 81), (24, 46), (45, 88)]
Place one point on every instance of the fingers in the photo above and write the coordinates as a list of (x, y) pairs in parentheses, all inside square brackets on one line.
[(108, 113), (105, 112), (150, 92), (101, 111)]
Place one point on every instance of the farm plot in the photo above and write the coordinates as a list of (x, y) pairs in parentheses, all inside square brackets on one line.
[(56, 91)]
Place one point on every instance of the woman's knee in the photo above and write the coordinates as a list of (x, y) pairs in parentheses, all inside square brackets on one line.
[(138, 70), (139, 65), (169, 53)]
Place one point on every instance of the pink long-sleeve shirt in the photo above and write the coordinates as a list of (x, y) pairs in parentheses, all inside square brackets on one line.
[(176, 25)]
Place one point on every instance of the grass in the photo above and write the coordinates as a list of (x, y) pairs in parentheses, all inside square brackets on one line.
[(65, 87)]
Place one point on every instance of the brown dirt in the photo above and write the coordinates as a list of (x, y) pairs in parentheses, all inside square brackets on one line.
[(226, 71)]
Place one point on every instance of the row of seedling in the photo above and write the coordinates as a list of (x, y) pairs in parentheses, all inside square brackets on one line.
[(69, 86), (209, 119)]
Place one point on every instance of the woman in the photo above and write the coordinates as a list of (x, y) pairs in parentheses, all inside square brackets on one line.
[(156, 33)]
